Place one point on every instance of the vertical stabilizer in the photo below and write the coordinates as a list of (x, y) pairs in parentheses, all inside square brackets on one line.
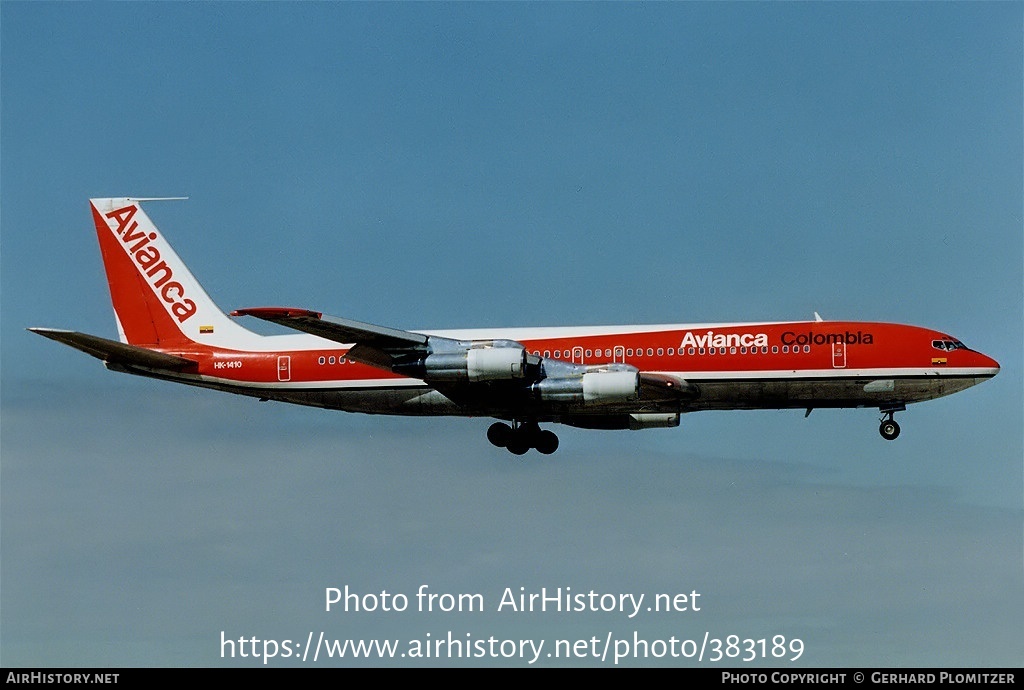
[(157, 301)]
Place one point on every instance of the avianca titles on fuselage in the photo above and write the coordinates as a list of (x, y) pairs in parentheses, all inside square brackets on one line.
[(614, 377)]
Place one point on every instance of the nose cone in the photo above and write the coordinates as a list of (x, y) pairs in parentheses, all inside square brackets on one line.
[(987, 367)]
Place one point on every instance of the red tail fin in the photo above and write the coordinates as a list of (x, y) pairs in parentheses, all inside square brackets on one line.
[(157, 301)]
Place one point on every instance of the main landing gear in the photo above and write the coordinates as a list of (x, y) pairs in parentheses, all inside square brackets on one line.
[(889, 429), (521, 437)]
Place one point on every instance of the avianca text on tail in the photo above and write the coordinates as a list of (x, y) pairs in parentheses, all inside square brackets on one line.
[(610, 377)]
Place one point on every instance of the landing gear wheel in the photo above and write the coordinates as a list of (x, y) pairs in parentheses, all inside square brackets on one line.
[(499, 434), (522, 438), (517, 445), (546, 442), (519, 437), (889, 429)]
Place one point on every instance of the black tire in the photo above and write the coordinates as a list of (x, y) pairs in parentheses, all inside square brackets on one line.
[(517, 447), (889, 429), (499, 434), (546, 442)]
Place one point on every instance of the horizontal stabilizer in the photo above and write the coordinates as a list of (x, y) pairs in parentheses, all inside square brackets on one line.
[(114, 352)]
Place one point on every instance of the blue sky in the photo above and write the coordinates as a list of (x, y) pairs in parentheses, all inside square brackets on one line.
[(458, 165)]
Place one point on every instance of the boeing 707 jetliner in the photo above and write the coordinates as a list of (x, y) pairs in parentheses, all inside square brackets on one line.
[(613, 377)]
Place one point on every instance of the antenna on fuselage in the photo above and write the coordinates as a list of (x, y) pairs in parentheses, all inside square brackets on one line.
[(817, 317)]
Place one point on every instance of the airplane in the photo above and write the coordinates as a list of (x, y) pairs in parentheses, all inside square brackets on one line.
[(612, 377)]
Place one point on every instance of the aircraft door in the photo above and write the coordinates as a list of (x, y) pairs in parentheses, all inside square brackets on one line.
[(577, 355), (284, 368), (838, 355), (619, 354)]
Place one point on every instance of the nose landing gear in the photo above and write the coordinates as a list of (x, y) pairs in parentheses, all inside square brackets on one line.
[(889, 429), (521, 437)]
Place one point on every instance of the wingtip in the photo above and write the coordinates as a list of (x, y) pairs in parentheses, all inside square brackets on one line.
[(275, 312)]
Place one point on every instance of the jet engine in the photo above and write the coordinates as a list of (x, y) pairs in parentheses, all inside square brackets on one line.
[(592, 388), (471, 364)]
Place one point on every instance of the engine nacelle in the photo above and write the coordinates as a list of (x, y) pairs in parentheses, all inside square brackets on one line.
[(475, 364), (637, 420), (653, 420), (592, 388)]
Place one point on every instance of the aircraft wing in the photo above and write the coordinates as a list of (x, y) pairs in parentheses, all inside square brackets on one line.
[(113, 352), (378, 346), (393, 349)]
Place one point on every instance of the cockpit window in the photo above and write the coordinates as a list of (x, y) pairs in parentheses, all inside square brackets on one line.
[(948, 345)]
